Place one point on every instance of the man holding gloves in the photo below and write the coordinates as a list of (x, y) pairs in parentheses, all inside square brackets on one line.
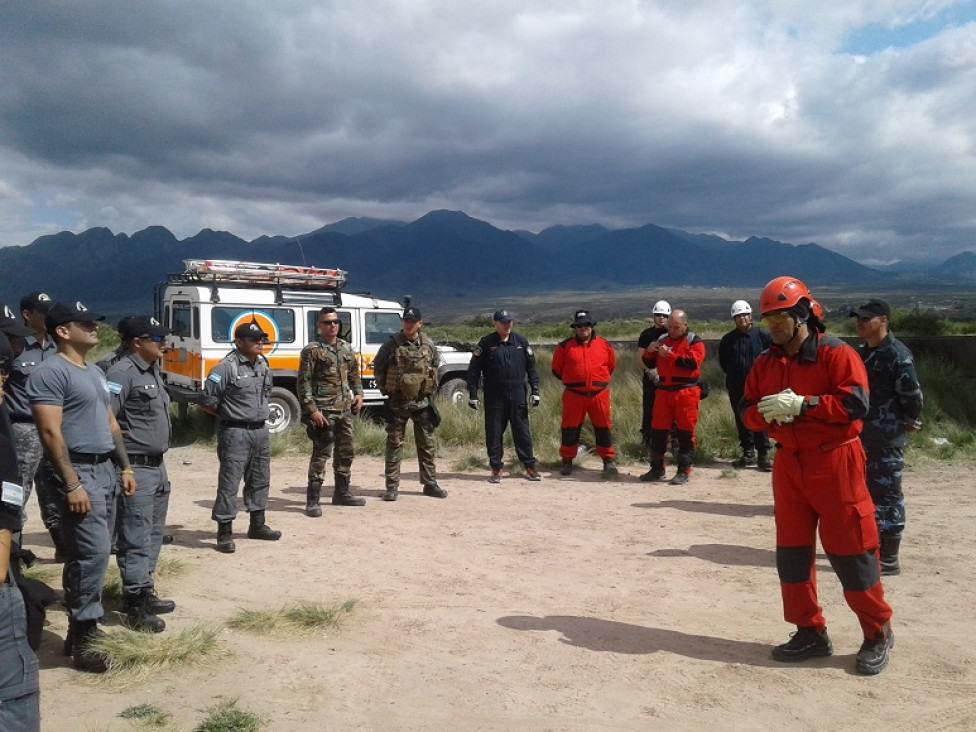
[(811, 391), (504, 360)]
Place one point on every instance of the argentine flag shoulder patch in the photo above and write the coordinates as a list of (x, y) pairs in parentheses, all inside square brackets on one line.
[(215, 378), (114, 387)]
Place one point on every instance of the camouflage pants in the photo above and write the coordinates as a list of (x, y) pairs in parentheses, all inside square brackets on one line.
[(423, 433), (884, 466), (335, 436), (34, 468)]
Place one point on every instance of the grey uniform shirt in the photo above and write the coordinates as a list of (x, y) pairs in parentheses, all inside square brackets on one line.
[(140, 404), (21, 369), (239, 389), (82, 394)]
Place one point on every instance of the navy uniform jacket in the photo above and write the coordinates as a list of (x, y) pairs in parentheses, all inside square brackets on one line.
[(896, 397), (737, 351), (504, 367)]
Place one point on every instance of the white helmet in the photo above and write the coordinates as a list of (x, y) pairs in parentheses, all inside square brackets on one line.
[(741, 307), (661, 307)]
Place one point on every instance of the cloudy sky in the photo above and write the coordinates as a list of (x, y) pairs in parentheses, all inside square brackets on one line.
[(851, 123)]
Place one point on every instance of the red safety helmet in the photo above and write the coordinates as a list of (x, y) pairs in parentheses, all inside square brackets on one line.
[(782, 294)]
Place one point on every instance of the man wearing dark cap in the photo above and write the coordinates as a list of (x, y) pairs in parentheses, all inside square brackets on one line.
[(113, 356), (406, 372), (141, 406), (504, 359), (29, 351), (584, 363), (237, 392), (895, 410), (70, 401)]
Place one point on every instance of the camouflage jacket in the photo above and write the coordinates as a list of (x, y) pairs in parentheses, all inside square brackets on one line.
[(328, 377), (896, 397)]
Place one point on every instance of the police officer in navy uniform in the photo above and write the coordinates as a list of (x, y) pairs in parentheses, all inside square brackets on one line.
[(141, 406), (237, 392), (895, 410), (504, 360)]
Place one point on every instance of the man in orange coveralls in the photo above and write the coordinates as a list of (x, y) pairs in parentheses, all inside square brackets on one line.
[(584, 364), (811, 391), (679, 359)]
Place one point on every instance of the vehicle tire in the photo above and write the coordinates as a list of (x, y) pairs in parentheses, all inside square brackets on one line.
[(285, 411), (454, 391)]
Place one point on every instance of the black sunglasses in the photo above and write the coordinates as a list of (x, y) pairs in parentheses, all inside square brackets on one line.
[(328, 322)]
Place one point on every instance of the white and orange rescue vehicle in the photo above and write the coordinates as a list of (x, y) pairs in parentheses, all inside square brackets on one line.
[(210, 298)]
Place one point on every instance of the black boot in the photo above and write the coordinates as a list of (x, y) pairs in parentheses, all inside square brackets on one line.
[(260, 530), (392, 491), (225, 537), (610, 471), (157, 605), (566, 468), (748, 459), (656, 472), (890, 544), (764, 463), (312, 496), (341, 495), (81, 633), (139, 614)]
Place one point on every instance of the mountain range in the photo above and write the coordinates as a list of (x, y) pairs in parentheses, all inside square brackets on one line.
[(443, 256)]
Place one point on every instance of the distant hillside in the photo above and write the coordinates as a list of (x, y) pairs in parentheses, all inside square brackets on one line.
[(443, 257)]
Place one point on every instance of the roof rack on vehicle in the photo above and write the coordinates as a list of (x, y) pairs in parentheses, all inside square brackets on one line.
[(291, 275)]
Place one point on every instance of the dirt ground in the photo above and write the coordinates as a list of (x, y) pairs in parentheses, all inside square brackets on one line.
[(570, 604)]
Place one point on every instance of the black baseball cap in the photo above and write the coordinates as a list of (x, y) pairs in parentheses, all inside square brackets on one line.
[(872, 309), (503, 316), (248, 330), (12, 325), (36, 301), (138, 326), (411, 314), (582, 317), (62, 313)]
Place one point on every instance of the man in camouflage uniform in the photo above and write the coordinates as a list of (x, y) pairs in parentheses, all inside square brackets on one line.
[(331, 392), (896, 405), (406, 371)]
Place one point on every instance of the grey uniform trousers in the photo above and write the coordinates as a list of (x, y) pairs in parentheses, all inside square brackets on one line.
[(141, 521), (35, 470), (88, 540), (246, 454), (19, 670)]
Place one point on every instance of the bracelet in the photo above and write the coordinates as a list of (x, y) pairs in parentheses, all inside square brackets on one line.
[(71, 488), (128, 470)]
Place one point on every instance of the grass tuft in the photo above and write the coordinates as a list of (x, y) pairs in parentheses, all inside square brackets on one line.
[(226, 717), (304, 618), (140, 654), (147, 715)]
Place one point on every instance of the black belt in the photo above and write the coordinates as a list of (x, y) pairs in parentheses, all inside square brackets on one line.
[(581, 392), (89, 458), (678, 387), (151, 461), (242, 425)]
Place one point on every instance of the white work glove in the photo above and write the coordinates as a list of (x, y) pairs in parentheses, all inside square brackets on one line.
[(473, 403), (782, 407), (652, 375), (535, 400)]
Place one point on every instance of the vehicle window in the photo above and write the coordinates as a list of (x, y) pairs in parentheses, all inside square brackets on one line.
[(181, 320), (380, 326), (280, 321), (345, 330)]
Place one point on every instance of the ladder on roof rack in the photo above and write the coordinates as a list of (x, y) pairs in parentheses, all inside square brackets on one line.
[(293, 275)]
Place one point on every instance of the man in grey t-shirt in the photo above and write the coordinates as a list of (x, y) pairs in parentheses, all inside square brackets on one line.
[(70, 402)]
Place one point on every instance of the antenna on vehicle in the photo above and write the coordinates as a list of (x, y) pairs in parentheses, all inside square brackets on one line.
[(301, 250)]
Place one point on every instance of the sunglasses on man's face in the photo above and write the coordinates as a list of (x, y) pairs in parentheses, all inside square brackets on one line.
[(775, 319), (328, 323)]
